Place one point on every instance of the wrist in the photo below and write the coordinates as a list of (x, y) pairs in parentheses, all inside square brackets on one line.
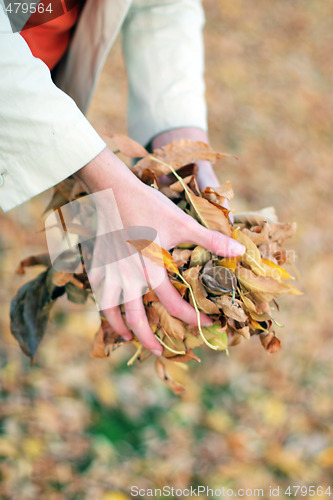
[(105, 171), (193, 133)]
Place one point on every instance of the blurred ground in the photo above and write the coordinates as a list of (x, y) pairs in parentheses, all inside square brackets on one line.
[(75, 428)]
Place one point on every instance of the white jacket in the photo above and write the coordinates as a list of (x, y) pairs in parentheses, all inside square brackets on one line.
[(44, 136)]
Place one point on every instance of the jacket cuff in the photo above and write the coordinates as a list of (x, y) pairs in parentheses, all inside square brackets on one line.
[(22, 181)]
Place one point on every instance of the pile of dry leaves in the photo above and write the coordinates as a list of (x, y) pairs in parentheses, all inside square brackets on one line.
[(237, 293)]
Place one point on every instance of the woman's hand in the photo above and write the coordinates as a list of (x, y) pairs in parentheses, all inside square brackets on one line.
[(140, 205)]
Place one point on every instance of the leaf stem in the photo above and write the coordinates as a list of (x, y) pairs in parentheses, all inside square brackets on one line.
[(135, 355), (167, 347), (215, 348)]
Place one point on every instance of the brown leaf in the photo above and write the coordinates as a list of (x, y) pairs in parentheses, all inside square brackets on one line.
[(181, 256), (150, 178), (183, 358), (258, 237), (106, 340), (127, 146), (62, 194), (219, 194), (205, 305), (173, 326), (281, 232), (178, 154), (271, 343), (153, 317), (256, 218), (210, 216), (234, 338), (98, 349), (150, 296), (183, 172), (231, 309), (161, 370), (34, 260), (217, 279)]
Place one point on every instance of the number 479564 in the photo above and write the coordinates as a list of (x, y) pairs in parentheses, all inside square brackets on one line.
[(310, 491), (28, 7)]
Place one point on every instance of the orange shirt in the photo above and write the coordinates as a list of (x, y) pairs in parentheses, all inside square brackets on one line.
[(49, 40)]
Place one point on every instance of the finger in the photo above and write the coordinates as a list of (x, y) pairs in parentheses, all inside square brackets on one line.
[(226, 205), (138, 322), (114, 317), (213, 241), (177, 306), (110, 308), (95, 276)]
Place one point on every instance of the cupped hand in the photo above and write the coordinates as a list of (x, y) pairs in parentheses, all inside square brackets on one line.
[(142, 206)]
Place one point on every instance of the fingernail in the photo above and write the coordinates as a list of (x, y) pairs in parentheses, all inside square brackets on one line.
[(206, 321), (157, 352), (127, 336), (237, 248)]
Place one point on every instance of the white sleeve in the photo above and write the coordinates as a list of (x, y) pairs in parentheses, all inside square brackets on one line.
[(164, 54), (44, 137)]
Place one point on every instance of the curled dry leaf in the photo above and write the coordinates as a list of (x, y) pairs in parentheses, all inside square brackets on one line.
[(256, 218), (181, 256), (34, 260), (270, 342), (218, 195), (205, 305), (260, 284), (209, 215), (280, 232), (251, 257), (232, 309), (127, 146), (217, 280), (162, 372), (106, 340), (177, 154), (183, 358), (175, 327), (258, 234), (178, 186)]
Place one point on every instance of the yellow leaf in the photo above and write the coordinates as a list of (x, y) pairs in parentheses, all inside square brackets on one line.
[(229, 262), (260, 284), (216, 336), (156, 254), (251, 257), (256, 325), (281, 272)]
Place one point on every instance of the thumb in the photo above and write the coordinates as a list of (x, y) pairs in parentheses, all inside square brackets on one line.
[(214, 241)]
